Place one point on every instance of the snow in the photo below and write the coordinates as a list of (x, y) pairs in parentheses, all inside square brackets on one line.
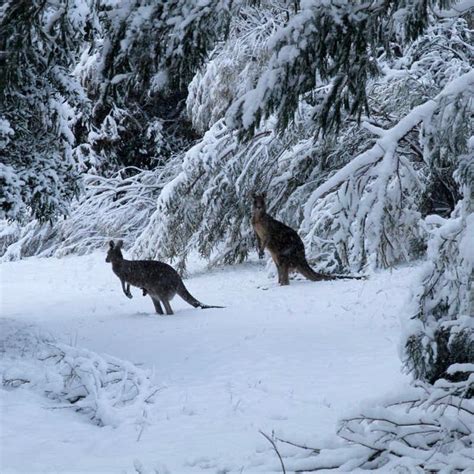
[(289, 360)]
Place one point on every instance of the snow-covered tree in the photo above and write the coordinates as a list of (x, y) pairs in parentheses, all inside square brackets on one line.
[(209, 198), (117, 206), (442, 331), (204, 207), (370, 213), (138, 71), (39, 44), (328, 52)]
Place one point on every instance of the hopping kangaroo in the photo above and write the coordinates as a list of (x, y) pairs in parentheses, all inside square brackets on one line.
[(157, 279), (284, 244)]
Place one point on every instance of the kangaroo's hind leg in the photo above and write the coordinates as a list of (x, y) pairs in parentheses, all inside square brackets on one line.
[(167, 306), (284, 271), (157, 305), (279, 273)]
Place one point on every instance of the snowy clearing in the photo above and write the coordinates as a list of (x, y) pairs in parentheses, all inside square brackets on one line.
[(285, 360)]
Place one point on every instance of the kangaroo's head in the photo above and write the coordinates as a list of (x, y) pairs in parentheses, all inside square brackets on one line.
[(114, 253), (259, 207)]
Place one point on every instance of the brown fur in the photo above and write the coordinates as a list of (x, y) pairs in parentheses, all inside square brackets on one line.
[(283, 243)]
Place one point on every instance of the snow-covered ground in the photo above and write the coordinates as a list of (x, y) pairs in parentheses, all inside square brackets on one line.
[(285, 360)]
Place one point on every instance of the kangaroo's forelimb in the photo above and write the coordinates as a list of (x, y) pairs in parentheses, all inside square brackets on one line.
[(260, 247), (285, 246), (126, 289)]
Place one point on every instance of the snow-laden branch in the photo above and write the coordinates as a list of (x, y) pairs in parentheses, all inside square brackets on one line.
[(387, 142), (458, 9), (115, 207), (425, 428), (109, 391), (205, 207)]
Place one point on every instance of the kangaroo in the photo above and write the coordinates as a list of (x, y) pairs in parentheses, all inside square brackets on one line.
[(156, 279), (284, 244)]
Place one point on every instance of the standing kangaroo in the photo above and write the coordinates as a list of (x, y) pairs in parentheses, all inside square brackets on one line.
[(157, 279), (284, 244)]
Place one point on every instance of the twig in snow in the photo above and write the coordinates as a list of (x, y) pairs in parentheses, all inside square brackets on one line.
[(276, 450), (302, 446)]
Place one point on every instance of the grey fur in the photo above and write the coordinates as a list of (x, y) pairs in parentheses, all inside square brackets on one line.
[(157, 279)]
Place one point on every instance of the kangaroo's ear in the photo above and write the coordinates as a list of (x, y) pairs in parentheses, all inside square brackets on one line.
[(264, 195), (119, 244), (111, 244), (253, 195)]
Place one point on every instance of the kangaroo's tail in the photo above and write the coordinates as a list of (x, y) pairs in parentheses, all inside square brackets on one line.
[(350, 277), (189, 298), (310, 274)]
